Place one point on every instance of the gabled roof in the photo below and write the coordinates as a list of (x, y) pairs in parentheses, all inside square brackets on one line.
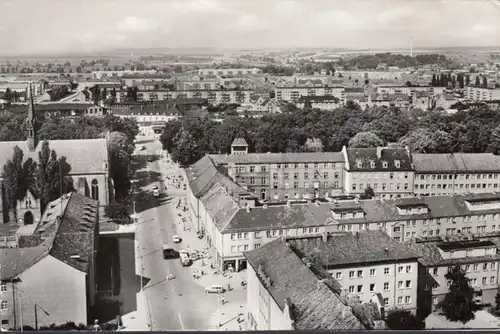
[(273, 158), (314, 294), (239, 142), (455, 162), (14, 261), (389, 155), (349, 248)]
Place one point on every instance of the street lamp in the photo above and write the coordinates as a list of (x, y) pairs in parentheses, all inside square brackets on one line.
[(36, 315), (218, 310)]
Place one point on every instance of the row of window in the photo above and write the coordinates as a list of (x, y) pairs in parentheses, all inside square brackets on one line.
[(376, 175), (385, 164), (457, 186), (374, 186), (306, 165), (373, 272), (274, 233), (296, 185), (316, 175), (456, 176), (4, 305)]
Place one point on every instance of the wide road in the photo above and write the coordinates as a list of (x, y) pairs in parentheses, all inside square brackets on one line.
[(178, 304)]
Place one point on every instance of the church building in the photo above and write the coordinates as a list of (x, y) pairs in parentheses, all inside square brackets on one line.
[(89, 160)]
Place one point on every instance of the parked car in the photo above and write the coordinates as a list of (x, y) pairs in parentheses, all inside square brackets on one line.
[(216, 288), (156, 191), (176, 239)]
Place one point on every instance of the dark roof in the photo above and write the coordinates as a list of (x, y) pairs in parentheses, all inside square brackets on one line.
[(457, 245), (194, 113), (354, 90), (455, 162), (273, 158), (319, 99), (349, 248), (63, 107), (389, 155), (14, 261), (315, 300)]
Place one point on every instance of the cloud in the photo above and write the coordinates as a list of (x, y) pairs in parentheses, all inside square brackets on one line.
[(132, 24)]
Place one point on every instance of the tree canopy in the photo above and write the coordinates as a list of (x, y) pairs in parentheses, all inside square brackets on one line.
[(458, 303)]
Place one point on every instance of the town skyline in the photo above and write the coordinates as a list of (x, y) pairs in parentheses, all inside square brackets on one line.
[(385, 24)]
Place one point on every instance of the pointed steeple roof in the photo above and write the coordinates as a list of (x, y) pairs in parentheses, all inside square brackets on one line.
[(31, 103)]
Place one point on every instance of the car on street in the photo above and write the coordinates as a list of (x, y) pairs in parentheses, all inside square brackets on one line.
[(168, 252), (156, 191), (215, 288), (143, 148), (185, 258), (176, 239)]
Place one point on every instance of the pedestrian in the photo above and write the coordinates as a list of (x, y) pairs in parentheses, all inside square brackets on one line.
[(223, 300)]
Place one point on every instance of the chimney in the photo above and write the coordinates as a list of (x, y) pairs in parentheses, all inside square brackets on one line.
[(379, 152)]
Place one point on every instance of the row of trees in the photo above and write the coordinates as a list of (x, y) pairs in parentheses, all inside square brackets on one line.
[(47, 178), (473, 131), (399, 60)]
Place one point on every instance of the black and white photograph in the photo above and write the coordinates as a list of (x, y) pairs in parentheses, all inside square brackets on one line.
[(249, 165)]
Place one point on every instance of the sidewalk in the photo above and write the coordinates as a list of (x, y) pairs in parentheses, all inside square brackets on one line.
[(137, 320)]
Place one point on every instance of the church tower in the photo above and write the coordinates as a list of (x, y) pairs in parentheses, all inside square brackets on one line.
[(31, 139)]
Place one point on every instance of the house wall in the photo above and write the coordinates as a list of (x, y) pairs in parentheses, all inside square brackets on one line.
[(292, 94), (103, 186), (57, 288), (31, 204), (385, 184), (453, 184), (388, 279)]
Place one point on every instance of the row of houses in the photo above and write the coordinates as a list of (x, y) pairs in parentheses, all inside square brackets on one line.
[(391, 253), (391, 172)]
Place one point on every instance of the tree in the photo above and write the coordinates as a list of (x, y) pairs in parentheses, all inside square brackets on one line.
[(402, 320), (458, 303), (496, 308), (17, 175), (48, 175), (494, 146), (365, 140), (187, 151), (313, 145), (478, 81), (369, 193), (485, 82), (467, 79), (120, 159), (423, 140), (434, 80)]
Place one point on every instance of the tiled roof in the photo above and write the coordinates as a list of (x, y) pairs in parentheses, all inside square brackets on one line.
[(86, 156), (273, 158), (315, 304), (280, 216), (239, 142), (367, 155), (352, 248), (14, 261), (455, 162)]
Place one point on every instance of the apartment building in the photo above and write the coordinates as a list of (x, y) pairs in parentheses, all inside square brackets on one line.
[(422, 100), (413, 217), (287, 293), (481, 93), (408, 90), (150, 118), (388, 171), (320, 102), (104, 74), (479, 258), (213, 96), (456, 173), (22, 86), (208, 72), (293, 94), (283, 176), (52, 268), (366, 264)]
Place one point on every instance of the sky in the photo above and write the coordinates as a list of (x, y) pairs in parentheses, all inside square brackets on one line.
[(61, 26)]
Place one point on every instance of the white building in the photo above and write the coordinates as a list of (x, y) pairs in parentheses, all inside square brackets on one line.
[(293, 94), (482, 94)]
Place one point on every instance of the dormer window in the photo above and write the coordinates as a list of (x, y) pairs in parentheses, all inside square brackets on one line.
[(372, 164), (384, 164), (397, 163)]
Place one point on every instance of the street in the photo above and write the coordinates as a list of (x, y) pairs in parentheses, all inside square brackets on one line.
[(180, 303)]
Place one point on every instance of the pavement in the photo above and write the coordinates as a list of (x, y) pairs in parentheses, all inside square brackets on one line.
[(180, 303)]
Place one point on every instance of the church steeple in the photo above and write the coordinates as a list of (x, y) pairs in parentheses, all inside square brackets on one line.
[(31, 139)]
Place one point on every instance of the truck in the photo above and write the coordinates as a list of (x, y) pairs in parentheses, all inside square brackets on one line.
[(185, 258)]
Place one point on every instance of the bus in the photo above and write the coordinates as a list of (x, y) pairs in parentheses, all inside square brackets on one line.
[(168, 252), (184, 257)]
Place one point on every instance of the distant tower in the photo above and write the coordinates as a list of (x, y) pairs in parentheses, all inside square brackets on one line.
[(31, 121), (411, 46)]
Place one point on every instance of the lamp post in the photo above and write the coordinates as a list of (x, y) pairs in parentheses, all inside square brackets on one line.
[(218, 310), (36, 314)]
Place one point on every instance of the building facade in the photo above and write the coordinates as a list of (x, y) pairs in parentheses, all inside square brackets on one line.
[(293, 94), (482, 94)]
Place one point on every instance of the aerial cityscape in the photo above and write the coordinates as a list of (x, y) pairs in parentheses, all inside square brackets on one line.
[(250, 165)]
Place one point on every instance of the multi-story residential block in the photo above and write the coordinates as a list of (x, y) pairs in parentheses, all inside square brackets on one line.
[(366, 264), (408, 90), (388, 171), (284, 176), (413, 217), (104, 74), (482, 93), (456, 173), (208, 72), (286, 293), (479, 258), (213, 96), (151, 118), (293, 94), (53, 268), (320, 102), (22, 86)]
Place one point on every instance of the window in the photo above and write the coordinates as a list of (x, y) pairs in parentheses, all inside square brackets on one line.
[(3, 287), (384, 164), (484, 280), (386, 301), (233, 236), (492, 279), (408, 284), (492, 265), (351, 289), (360, 289), (434, 300), (233, 249), (400, 284), (257, 246), (386, 271), (3, 305), (372, 287), (408, 269), (407, 299), (400, 268), (245, 247), (386, 286), (351, 274), (252, 169), (400, 300), (372, 272), (360, 273), (338, 275), (275, 175), (262, 168), (296, 176), (245, 235)]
